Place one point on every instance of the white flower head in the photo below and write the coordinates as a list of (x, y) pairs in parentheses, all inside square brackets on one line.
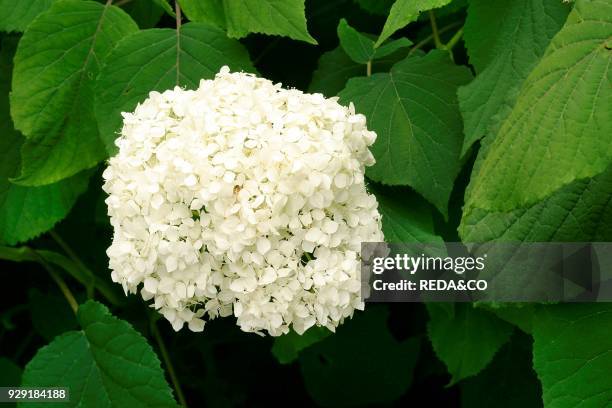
[(242, 198)]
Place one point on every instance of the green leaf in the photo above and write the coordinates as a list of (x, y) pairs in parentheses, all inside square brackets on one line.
[(18, 14), (406, 217), (287, 347), (56, 63), (211, 11), (554, 134), (361, 364), (51, 314), (389, 47), (517, 314), (275, 17), (335, 68), (504, 45), (453, 7), (508, 382), (26, 212), (156, 60), (107, 363), (580, 211), (572, 354), (467, 339), (404, 12), (145, 13), (357, 45), (414, 111), (361, 48), (165, 6)]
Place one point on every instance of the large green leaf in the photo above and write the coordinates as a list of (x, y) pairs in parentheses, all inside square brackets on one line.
[(211, 11), (404, 12), (106, 364), (26, 212), (580, 211), (572, 354), (361, 364), (160, 59), (558, 130), (52, 100), (414, 111), (16, 15), (465, 338), (505, 40), (241, 17)]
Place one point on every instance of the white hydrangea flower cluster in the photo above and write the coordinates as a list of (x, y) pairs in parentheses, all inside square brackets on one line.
[(242, 197)]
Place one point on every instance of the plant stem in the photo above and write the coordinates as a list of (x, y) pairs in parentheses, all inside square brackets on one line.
[(434, 29), (369, 68), (177, 11), (74, 305), (454, 40), (27, 254), (122, 2), (427, 39), (167, 362), (72, 255)]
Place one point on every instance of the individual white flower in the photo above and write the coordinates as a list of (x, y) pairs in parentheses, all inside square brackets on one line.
[(242, 198)]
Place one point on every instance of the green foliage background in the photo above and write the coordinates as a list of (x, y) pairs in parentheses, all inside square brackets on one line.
[(494, 122)]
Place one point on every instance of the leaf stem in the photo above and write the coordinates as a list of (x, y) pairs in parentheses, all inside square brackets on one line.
[(90, 286), (177, 11), (27, 254), (167, 362), (74, 305), (122, 2), (434, 29), (454, 40), (369, 68), (427, 39)]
